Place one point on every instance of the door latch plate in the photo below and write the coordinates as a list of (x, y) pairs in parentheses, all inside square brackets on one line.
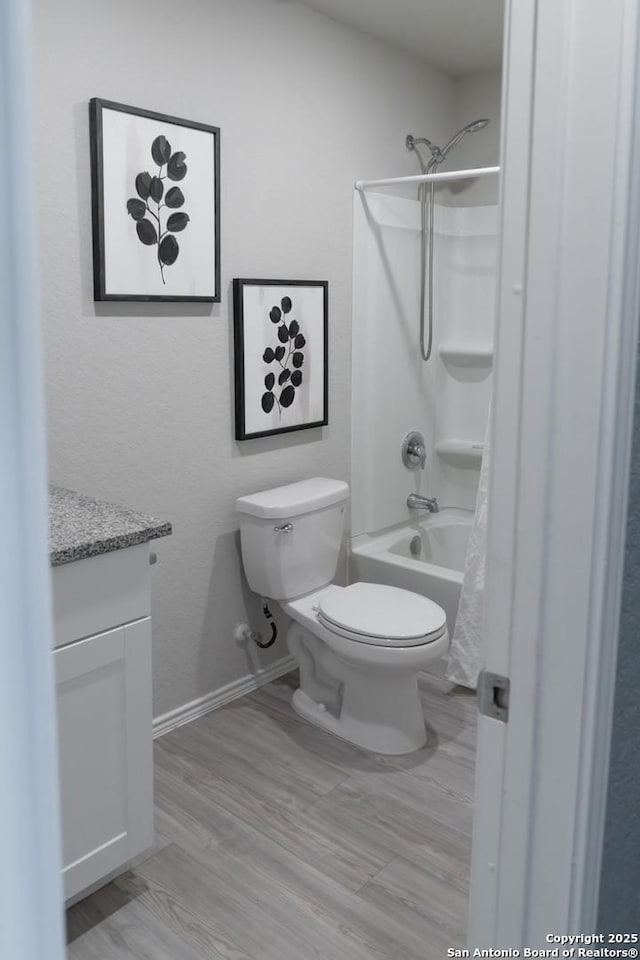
[(493, 695)]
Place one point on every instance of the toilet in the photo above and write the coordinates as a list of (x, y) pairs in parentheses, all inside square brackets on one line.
[(359, 648)]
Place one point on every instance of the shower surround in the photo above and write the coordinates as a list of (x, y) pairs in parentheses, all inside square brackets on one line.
[(395, 391)]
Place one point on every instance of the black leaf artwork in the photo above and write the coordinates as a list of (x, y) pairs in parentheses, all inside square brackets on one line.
[(168, 250), (151, 188), (176, 167), (280, 340), (161, 150), (174, 197), (136, 208), (177, 222), (143, 183), (146, 232), (156, 189), (287, 396), (290, 378)]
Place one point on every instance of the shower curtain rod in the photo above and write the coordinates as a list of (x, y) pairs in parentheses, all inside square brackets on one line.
[(428, 177)]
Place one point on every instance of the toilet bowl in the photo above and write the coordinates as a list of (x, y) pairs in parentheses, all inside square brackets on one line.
[(359, 648), (375, 702)]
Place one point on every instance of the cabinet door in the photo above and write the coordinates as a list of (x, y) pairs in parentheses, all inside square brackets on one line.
[(105, 747)]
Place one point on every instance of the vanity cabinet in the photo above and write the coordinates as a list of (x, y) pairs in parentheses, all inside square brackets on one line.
[(102, 660)]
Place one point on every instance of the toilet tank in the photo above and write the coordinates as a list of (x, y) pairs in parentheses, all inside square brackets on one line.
[(291, 536)]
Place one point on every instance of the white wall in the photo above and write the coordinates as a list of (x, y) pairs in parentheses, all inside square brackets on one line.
[(476, 96), (140, 397)]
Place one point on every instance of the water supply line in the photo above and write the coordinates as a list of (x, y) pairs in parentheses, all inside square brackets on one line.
[(257, 637), (243, 632)]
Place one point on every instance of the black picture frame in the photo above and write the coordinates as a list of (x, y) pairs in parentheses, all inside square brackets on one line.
[(103, 288), (257, 331)]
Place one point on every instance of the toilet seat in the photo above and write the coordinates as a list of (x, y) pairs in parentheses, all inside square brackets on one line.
[(381, 615)]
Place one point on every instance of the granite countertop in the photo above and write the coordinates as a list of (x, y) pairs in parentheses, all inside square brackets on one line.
[(81, 527)]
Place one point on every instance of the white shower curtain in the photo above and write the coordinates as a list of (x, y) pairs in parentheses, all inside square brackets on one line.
[(465, 654)]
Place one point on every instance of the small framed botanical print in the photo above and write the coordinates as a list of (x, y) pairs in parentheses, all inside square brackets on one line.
[(156, 205), (280, 337)]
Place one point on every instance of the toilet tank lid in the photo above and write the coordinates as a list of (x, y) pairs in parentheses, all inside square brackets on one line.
[(294, 499)]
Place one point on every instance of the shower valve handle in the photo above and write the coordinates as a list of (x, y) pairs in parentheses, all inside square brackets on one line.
[(414, 454)]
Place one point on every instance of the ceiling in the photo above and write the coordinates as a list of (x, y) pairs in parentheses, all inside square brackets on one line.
[(458, 36)]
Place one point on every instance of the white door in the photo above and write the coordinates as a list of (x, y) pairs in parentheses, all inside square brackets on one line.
[(567, 329), (30, 884)]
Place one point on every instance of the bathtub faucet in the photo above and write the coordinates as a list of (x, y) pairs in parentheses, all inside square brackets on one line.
[(417, 502)]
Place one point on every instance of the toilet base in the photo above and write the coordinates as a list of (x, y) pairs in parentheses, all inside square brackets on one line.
[(366, 694), (393, 733)]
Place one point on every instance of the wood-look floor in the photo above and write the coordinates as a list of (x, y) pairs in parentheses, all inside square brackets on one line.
[(277, 841)]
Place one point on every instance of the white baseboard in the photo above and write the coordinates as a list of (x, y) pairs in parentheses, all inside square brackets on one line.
[(217, 698)]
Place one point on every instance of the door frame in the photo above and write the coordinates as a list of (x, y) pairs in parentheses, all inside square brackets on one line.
[(566, 340), (567, 293), (31, 916)]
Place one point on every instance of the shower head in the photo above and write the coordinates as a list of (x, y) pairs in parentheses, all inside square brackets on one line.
[(438, 154), (472, 127), (476, 125)]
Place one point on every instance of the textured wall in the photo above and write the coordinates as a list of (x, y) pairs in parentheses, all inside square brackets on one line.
[(620, 878), (140, 397)]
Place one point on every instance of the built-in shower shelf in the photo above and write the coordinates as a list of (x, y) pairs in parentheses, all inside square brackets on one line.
[(462, 352), (461, 452)]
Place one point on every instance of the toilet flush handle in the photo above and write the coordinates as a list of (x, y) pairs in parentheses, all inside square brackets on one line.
[(284, 528)]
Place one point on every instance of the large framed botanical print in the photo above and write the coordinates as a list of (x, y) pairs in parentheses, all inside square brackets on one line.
[(156, 205)]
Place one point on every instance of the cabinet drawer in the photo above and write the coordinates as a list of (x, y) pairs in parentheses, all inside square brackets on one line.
[(93, 595)]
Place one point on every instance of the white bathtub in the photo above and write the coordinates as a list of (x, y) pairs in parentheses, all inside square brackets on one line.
[(435, 571)]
